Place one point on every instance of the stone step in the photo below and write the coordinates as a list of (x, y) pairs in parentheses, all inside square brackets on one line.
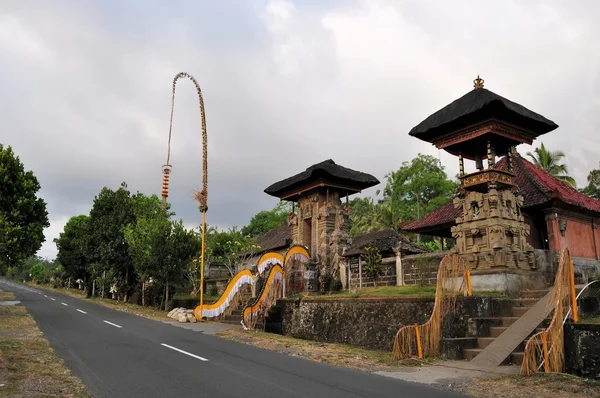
[(534, 293), (508, 320), (520, 311), (496, 331), (237, 313), (483, 342), (471, 353), (516, 358), (526, 302)]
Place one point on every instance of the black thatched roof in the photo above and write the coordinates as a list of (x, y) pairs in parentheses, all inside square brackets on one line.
[(476, 106), (328, 172), (275, 238), (385, 241)]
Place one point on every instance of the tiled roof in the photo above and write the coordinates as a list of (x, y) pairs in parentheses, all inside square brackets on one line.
[(275, 238), (327, 169), (385, 241), (535, 184)]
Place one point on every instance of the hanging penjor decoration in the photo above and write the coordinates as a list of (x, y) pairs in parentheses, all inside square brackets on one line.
[(202, 195)]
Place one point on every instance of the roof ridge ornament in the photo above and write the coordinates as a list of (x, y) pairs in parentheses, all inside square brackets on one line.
[(478, 83)]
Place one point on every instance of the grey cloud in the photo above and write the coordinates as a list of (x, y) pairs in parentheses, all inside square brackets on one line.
[(86, 89)]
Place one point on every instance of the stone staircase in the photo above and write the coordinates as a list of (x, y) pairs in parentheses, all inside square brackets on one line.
[(274, 319), (490, 331), (234, 318)]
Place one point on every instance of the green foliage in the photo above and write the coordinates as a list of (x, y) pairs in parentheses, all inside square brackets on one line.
[(265, 220), (372, 259), (23, 215), (549, 161), (232, 248), (111, 213), (39, 273), (417, 188), (593, 187), (367, 216), (72, 246)]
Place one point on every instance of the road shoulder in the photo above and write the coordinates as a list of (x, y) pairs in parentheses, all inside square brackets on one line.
[(29, 367)]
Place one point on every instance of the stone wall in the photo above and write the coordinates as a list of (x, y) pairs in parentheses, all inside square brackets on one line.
[(582, 350), (373, 322), (421, 269), (387, 277)]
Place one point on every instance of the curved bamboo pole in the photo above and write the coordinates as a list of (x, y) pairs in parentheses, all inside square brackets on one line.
[(200, 196)]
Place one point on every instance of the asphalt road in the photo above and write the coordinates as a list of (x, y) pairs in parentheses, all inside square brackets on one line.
[(121, 355)]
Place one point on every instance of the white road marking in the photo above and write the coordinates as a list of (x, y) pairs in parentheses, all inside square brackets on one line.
[(53, 299), (83, 312), (66, 305), (184, 352), (45, 296), (113, 324)]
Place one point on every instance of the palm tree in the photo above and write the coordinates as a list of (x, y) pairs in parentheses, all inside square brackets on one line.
[(549, 161)]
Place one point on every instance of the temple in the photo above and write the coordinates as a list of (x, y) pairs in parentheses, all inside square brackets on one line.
[(320, 221), (503, 212)]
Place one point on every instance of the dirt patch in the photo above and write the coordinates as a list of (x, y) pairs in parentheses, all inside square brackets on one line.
[(7, 296), (29, 367), (539, 385)]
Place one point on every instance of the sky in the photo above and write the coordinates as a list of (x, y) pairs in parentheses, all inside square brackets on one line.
[(86, 90)]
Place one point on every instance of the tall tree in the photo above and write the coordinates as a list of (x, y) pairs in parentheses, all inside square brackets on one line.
[(148, 239), (417, 188), (111, 213), (230, 248), (23, 215), (265, 220), (72, 245), (550, 161), (593, 187)]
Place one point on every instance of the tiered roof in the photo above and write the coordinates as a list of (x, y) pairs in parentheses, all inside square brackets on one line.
[(537, 186), (324, 174)]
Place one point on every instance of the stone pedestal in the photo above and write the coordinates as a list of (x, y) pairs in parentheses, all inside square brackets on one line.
[(492, 234)]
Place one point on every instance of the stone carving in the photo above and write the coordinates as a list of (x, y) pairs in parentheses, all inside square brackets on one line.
[(492, 231)]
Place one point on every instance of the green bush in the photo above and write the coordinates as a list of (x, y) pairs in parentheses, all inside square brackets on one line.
[(39, 273)]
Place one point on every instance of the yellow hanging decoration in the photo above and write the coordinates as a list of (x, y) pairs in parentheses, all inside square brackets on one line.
[(547, 347), (426, 338)]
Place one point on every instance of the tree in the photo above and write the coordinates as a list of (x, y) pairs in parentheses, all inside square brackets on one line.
[(23, 215), (231, 248), (372, 259), (368, 215), (549, 161), (265, 220), (417, 188), (593, 187), (72, 245), (39, 273), (111, 213), (147, 238)]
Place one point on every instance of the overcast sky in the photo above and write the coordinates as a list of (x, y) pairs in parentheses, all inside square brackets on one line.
[(86, 89)]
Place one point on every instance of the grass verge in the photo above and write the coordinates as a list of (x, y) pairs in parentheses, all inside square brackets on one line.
[(29, 367), (394, 291), (334, 354), (538, 385)]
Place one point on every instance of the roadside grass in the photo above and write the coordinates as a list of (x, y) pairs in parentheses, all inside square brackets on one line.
[(29, 367), (331, 353), (135, 309), (392, 291), (538, 385), (590, 319)]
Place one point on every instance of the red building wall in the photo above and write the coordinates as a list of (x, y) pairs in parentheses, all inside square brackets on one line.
[(580, 236)]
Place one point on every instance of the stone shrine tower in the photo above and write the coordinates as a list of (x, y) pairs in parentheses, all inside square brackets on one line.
[(491, 233), (320, 222)]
